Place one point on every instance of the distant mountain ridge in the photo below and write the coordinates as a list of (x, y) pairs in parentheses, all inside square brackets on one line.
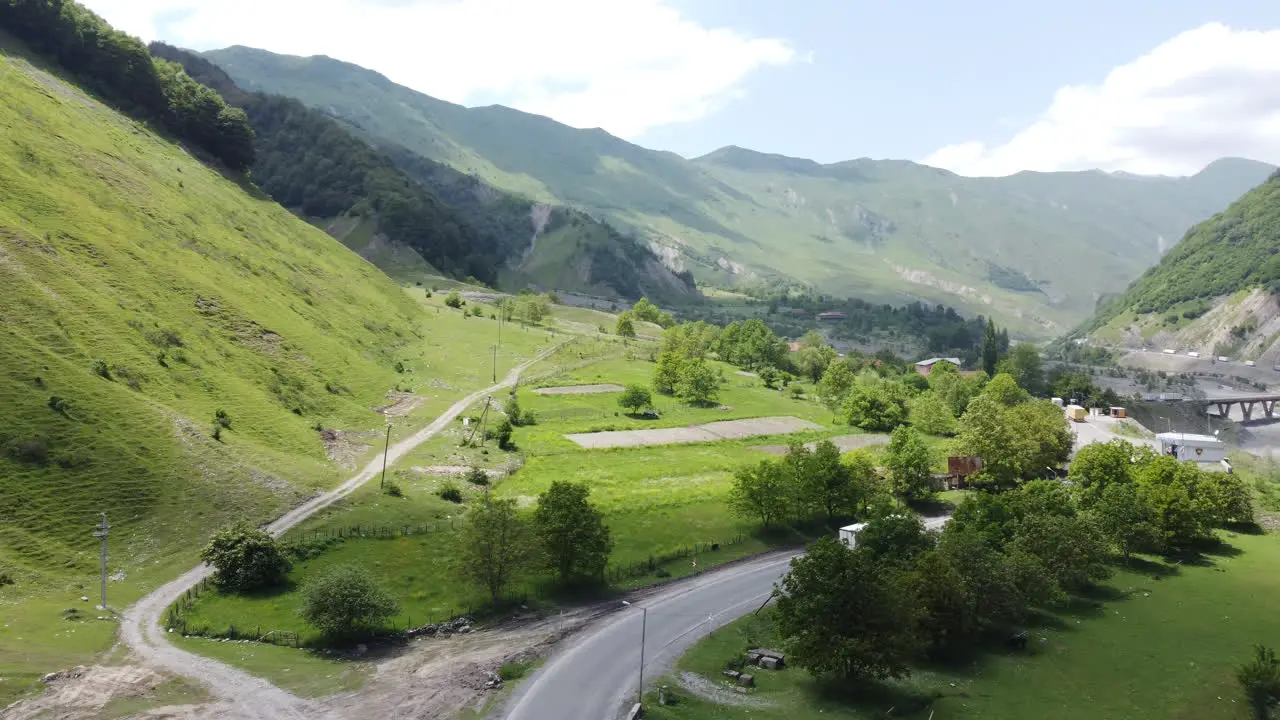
[(410, 215), (1035, 250)]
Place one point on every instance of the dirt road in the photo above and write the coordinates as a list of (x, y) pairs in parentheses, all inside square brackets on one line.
[(254, 697)]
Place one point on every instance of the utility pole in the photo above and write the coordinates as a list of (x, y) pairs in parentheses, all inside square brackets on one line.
[(644, 622), (386, 450), (101, 532), (495, 363), (484, 420)]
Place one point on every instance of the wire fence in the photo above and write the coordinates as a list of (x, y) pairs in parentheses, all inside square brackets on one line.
[(641, 568)]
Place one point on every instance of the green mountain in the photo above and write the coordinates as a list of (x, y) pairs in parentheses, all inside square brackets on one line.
[(1035, 250), (176, 350), (1214, 292), (427, 215)]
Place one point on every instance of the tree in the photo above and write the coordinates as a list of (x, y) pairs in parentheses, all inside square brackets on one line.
[(511, 408), (822, 482), (930, 414), (346, 600), (533, 309), (572, 533), (896, 538), (625, 328), (990, 348), (1169, 488), (1260, 680), (668, 372), (874, 406), (1024, 365), (835, 384), (1098, 466), (762, 491), (1227, 497), (699, 383), (910, 465), (454, 299), (497, 544), (841, 614), (502, 433), (1072, 548), (1004, 389), (814, 356), (635, 398), (245, 558), (769, 376), (1125, 519), (645, 310)]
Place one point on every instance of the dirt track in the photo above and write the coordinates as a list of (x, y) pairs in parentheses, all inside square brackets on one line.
[(243, 695)]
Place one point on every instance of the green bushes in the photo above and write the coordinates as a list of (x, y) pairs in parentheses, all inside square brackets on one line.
[(245, 558), (122, 71), (451, 492), (346, 601)]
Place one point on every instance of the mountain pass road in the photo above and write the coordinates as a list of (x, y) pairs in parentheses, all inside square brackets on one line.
[(594, 676)]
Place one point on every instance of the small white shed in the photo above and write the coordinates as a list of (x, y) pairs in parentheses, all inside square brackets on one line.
[(1192, 448), (849, 533)]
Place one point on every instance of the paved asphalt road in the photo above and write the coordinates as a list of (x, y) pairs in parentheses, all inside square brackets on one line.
[(594, 676)]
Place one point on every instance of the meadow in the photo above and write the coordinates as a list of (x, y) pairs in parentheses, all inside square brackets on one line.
[(1138, 648)]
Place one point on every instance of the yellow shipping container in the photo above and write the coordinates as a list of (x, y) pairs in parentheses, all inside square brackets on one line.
[(1076, 413)]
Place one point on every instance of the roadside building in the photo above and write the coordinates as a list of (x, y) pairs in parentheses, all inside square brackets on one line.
[(924, 367), (1192, 448)]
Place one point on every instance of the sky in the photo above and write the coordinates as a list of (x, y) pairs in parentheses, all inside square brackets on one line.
[(989, 87)]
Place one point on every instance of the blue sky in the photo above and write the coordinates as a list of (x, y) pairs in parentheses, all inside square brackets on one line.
[(981, 88), (902, 79)]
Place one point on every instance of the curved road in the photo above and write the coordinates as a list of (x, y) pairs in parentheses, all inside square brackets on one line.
[(254, 697), (594, 677)]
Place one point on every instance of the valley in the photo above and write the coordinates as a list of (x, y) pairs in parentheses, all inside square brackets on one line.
[(392, 407)]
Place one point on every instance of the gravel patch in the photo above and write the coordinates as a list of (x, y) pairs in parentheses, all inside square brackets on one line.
[(844, 442), (579, 389), (710, 432), (718, 692)]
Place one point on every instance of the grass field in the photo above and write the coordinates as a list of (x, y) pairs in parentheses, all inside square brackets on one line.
[(659, 501), (1163, 649)]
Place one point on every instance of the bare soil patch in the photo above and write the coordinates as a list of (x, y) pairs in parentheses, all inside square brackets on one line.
[(344, 448), (456, 471), (402, 403), (844, 442), (709, 432), (579, 389)]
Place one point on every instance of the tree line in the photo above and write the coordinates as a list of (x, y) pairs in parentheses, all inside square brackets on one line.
[(119, 68)]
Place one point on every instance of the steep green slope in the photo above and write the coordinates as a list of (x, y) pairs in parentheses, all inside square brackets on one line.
[(1035, 250), (140, 293), (1215, 292), (406, 209)]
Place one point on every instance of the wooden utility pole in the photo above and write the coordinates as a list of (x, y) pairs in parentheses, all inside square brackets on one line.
[(101, 532), (385, 451)]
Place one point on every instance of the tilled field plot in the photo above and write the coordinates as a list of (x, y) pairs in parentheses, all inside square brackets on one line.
[(710, 432)]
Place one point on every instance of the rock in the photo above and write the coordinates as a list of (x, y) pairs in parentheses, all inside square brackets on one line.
[(51, 677), (464, 629), (739, 689), (731, 674), (770, 663), (746, 680), (84, 598)]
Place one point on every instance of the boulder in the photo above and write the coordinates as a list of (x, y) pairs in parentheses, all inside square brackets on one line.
[(770, 663), (746, 680), (731, 674)]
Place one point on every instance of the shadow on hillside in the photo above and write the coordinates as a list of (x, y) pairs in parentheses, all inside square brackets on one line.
[(1150, 568), (875, 698)]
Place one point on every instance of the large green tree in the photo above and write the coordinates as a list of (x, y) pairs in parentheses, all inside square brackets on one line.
[(1024, 365), (835, 384), (572, 533), (699, 383), (245, 558), (346, 600), (930, 414), (763, 491), (842, 614), (910, 465), (496, 544)]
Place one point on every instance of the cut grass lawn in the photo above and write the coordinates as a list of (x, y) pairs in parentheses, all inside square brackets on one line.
[(1164, 650)]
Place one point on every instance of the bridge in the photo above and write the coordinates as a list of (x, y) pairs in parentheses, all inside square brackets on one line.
[(1248, 404)]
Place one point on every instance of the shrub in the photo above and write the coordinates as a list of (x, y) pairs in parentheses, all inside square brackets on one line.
[(222, 419), (796, 391), (454, 299), (59, 404), (5, 578), (34, 451), (451, 492), (503, 434), (101, 370), (245, 558), (476, 476), (528, 418), (515, 670), (344, 601), (393, 489), (217, 433)]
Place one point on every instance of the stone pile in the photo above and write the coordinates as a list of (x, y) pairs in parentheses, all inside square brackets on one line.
[(460, 626)]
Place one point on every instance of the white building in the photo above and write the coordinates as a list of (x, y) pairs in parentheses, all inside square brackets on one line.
[(1192, 448), (849, 533)]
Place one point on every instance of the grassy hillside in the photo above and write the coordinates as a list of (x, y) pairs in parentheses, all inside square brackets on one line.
[(1036, 250), (408, 209), (140, 293)]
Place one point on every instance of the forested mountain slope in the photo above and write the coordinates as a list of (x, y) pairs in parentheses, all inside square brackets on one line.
[(1214, 292), (379, 199), (1036, 250)]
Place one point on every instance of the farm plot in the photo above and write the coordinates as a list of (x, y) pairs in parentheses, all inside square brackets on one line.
[(709, 432), (579, 389)]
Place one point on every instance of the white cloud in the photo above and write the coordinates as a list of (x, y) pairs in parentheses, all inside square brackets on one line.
[(624, 65), (1207, 93)]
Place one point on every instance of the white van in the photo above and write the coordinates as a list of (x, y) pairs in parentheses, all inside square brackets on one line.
[(1168, 351)]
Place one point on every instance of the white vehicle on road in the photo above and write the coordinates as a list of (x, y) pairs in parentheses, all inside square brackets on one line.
[(1193, 354), (1168, 351)]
